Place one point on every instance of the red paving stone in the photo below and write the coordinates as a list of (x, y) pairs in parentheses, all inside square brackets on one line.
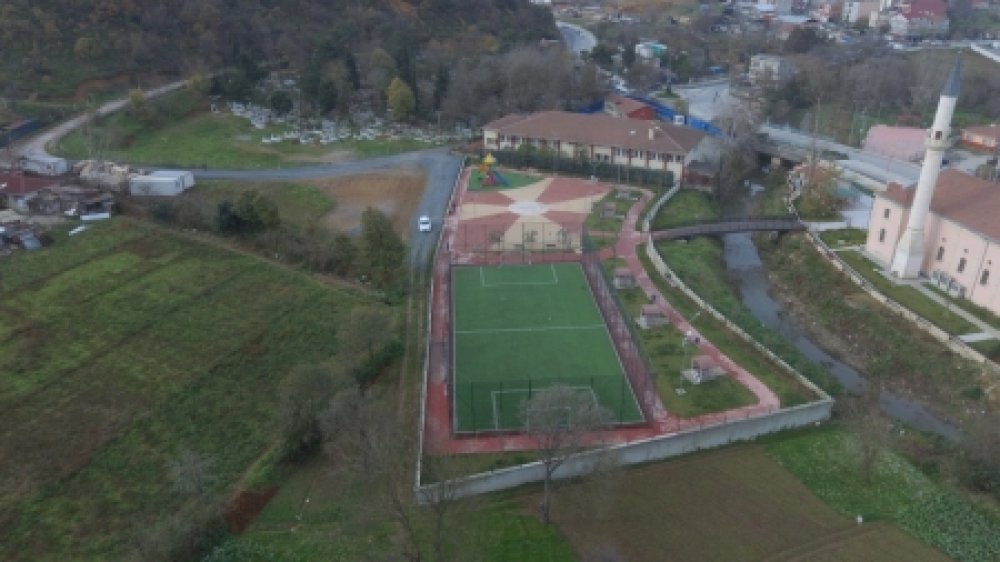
[(438, 438), (565, 189)]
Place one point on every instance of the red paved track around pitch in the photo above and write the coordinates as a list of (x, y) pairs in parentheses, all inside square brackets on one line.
[(438, 437)]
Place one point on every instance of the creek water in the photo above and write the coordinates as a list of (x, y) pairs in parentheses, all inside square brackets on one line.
[(746, 269)]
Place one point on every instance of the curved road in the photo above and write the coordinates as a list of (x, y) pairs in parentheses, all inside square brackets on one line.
[(441, 167)]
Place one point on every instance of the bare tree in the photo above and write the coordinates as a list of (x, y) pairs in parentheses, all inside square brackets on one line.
[(559, 419), (190, 473), (871, 428)]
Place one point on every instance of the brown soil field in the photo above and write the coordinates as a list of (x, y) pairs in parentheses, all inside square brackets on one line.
[(732, 504), (396, 194)]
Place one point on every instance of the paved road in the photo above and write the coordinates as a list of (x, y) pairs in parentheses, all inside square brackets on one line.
[(38, 143), (708, 101), (577, 39), (440, 166)]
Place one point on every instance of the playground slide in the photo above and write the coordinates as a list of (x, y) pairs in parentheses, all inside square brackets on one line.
[(498, 178)]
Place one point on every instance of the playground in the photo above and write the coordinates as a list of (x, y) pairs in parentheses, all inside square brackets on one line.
[(521, 328), (487, 177)]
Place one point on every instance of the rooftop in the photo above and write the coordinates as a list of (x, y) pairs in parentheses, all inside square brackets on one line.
[(967, 200), (600, 129), (21, 184)]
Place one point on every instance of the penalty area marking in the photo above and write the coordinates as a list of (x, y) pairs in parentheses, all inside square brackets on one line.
[(553, 281), (496, 407)]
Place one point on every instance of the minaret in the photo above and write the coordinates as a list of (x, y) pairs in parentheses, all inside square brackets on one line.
[(909, 256)]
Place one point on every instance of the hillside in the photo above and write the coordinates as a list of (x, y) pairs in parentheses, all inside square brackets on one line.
[(56, 49)]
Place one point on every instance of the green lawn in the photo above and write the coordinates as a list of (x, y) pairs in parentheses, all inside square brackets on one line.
[(219, 141), (122, 347), (686, 207), (514, 180), (597, 223), (663, 346), (300, 204), (827, 462), (844, 237), (789, 390), (909, 297), (970, 307), (519, 329)]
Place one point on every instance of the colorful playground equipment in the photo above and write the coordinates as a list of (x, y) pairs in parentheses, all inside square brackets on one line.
[(491, 177)]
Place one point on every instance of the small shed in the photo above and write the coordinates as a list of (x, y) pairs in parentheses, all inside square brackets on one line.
[(162, 183), (624, 278), (650, 316), (609, 211), (703, 369), (44, 165)]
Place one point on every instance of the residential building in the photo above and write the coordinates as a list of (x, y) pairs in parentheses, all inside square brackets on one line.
[(920, 18), (983, 137), (617, 105), (650, 50), (17, 189), (859, 10), (961, 234), (768, 71), (630, 142)]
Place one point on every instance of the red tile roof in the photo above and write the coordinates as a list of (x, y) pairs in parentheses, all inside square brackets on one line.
[(926, 9), (967, 200), (23, 184), (600, 130), (625, 105)]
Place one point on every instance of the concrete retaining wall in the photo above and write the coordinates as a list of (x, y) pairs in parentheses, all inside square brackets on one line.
[(952, 342), (988, 53), (636, 452), (672, 278), (651, 213)]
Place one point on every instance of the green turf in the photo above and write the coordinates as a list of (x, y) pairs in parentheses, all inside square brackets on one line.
[(519, 329)]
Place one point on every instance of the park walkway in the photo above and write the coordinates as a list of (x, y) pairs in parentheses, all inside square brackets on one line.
[(438, 437)]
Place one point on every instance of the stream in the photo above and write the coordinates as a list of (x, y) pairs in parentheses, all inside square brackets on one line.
[(746, 269)]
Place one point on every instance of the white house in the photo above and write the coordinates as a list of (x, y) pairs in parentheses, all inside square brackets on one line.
[(44, 165)]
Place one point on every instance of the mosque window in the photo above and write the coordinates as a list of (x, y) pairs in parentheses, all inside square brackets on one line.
[(881, 235), (985, 277), (961, 265), (940, 254)]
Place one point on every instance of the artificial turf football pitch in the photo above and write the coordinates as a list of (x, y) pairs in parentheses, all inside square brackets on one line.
[(521, 328)]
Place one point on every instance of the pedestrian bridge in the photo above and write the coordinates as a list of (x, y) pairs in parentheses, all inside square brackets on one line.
[(727, 226)]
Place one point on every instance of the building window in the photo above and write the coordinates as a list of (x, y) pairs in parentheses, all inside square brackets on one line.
[(940, 254), (638, 154), (961, 265), (885, 214), (985, 277), (881, 235), (937, 135)]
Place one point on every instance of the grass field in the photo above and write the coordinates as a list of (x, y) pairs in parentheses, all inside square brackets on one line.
[(519, 329), (731, 504), (222, 141), (827, 461), (909, 297), (122, 347)]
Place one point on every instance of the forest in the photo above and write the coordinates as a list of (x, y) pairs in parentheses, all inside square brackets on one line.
[(53, 48)]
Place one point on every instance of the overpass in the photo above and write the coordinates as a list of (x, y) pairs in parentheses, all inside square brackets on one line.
[(728, 226)]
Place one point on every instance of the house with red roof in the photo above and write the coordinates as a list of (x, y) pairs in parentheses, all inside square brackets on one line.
[(637, 143), (18, 188), (617, 105), (920, 18), (961, 234), (981, 137)]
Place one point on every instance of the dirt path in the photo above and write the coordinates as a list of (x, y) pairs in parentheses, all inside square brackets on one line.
[(395, 193)]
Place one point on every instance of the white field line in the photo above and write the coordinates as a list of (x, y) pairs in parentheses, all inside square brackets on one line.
[(554, 281), (496, 407), (533, 329)]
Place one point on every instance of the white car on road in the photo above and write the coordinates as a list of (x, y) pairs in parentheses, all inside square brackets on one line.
[(424, 223)]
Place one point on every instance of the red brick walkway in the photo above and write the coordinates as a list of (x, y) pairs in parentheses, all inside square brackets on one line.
[(438, 438)]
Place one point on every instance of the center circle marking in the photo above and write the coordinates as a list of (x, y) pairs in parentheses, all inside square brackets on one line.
[(530, 208)]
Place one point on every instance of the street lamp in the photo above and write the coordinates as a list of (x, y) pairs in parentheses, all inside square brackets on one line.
[(689, 339)]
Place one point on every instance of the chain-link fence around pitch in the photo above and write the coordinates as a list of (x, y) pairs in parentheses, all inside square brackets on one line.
[(518, 329)]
